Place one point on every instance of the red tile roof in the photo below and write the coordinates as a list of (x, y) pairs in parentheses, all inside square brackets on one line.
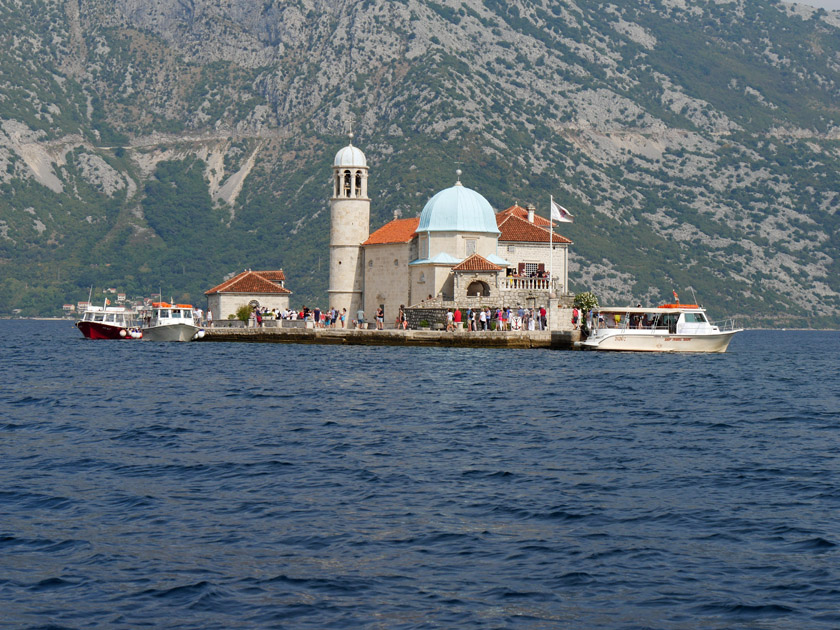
[(518, 230), (396, 231), (522, 213), (261, 282), (476, 263), (274, 276)]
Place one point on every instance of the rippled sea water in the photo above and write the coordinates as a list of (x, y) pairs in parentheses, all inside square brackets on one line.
[(210, 485)]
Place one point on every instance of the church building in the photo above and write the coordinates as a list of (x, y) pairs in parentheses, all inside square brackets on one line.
[(458, 253)]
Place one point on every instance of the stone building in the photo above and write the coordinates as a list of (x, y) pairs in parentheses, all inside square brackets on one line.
[(254, 288), (458, 253)]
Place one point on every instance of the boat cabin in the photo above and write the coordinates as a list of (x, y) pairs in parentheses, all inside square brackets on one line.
[(115, 316), (675, 319), (164, 313)]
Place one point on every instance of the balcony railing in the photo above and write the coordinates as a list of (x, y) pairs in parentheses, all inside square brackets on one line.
[(533, 284)]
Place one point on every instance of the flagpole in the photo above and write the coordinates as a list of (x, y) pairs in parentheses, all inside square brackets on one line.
[(550, 244)]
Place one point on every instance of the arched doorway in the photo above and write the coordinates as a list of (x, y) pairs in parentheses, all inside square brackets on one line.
[(477, 288)]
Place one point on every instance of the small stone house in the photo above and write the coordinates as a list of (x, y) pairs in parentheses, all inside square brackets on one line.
[(254, 288)]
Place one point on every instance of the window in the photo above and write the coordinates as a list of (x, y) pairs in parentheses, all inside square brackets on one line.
[(694, 318), (470, 246), (531, 268)]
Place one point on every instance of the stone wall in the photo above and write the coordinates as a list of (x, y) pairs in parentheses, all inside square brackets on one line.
[(432, 315), (559, 310)]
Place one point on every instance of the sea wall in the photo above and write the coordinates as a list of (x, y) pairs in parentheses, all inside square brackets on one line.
[(558, 340)]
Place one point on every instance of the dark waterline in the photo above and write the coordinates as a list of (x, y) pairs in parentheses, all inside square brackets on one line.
[(248, 485)]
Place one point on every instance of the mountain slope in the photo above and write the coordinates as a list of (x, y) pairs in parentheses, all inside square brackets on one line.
[(165, 143)]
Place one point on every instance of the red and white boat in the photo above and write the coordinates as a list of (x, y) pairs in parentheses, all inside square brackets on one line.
[(109, 322)]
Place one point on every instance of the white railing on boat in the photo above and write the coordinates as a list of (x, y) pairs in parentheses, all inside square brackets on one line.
[(726, 324)]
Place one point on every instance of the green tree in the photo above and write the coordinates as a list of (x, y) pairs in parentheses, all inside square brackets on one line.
[(243, 313)]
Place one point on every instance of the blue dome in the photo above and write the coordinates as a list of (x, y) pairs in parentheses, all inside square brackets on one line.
[(458, 209)]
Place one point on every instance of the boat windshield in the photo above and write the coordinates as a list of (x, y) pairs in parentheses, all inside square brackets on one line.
[(695, 318), (109, 317), (88, 317), (176, 313), (98, 317)]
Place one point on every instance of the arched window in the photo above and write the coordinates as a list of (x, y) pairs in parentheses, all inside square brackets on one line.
[(346, 183), (358, 183)]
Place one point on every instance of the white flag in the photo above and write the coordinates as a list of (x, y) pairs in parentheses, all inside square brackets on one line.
[(559, 213)]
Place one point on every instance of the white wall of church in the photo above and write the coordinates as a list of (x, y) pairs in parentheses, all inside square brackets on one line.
[(386, 279), (460, 245), (427, 281)]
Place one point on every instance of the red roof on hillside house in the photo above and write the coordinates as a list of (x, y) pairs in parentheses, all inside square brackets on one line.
[(518, 230), (252, 282), (396, 231), (476, 262)]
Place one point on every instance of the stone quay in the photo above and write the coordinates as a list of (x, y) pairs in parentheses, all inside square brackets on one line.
[(556, 340)]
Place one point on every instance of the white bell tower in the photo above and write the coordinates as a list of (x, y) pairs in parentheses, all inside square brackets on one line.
[(349, 228)]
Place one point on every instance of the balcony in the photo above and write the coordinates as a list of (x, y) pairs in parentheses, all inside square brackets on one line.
[(519, 283)]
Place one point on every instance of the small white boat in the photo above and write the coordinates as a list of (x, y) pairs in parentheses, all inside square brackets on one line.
[(171, 322), (667, 328)]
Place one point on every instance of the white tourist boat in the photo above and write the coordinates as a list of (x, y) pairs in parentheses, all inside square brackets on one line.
[(668, 328), (171, 322)]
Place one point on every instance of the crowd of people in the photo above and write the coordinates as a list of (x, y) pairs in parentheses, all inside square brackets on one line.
[(498, 319), (329, 318), (478, 319)]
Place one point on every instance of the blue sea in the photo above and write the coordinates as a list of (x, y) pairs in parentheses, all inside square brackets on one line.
[(211, 485)]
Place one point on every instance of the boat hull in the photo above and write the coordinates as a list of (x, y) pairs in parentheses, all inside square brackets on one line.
[(655, 341), (170, 332), (98, 330)]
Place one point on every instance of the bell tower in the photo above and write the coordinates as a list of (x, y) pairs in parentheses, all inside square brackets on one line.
[(349, 228)]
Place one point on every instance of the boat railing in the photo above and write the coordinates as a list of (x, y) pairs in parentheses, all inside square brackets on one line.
[(726, 325)]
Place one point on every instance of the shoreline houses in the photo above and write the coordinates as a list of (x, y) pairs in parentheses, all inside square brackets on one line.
[(459, 253)]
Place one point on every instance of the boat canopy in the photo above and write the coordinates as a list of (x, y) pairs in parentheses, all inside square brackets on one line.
[(667, 308)]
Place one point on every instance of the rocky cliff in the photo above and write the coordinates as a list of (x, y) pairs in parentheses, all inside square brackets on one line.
[(165, 143)]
